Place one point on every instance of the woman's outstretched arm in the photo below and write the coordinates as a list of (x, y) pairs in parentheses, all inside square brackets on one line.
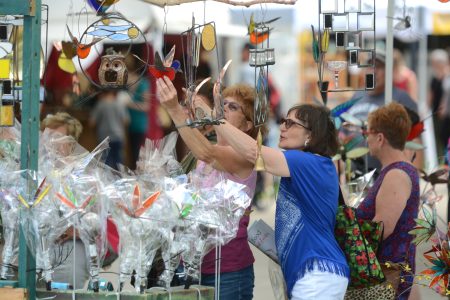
[(221, 157), (274, 159)]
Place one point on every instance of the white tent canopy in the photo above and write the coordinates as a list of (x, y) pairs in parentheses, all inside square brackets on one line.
[(179, 17)]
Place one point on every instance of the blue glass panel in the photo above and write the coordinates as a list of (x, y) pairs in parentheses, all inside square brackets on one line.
[(114, 28), (100, 32), (119, 37), (176, 65)]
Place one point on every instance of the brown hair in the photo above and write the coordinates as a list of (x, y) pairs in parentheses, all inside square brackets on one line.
[(57, 120), (393, 122), (245, 95), (323, 132)]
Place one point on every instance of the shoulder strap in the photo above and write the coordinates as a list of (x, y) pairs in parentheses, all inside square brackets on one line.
[(341, 197)]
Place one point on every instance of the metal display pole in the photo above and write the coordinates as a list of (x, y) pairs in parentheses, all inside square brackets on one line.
[(31, 10), (389, 53), (428, 136)]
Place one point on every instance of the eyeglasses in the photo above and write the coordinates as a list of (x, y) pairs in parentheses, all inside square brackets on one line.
[(288, 123), (233, 106), (366, 132)]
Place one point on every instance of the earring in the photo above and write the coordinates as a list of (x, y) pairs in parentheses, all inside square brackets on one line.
[(306, 143)]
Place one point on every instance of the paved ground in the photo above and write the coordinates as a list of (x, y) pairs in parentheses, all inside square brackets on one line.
[(263, 289)]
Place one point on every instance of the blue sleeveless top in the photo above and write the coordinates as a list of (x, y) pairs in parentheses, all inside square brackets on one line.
[(397, 247), (306, 216)]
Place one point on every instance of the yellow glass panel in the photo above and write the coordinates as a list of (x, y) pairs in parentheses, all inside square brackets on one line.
[(133, 32), (4, 68), (66, 64), (208, 37), (7, 115), (441, 25)]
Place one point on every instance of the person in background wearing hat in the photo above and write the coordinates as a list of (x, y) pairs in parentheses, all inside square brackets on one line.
[(371, 100)]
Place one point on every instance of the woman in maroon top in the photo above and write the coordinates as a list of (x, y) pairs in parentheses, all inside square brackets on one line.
[(394, 197), (236, 265)]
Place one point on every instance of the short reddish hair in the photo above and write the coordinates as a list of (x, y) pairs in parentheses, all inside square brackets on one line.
[(393, 121), (245, 95)]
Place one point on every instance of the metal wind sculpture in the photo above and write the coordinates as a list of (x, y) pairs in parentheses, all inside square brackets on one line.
[(353, 24), (260, 58), (111, 27), (201, 36)]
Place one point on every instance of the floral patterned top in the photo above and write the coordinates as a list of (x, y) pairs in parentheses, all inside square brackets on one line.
[(397, 247)]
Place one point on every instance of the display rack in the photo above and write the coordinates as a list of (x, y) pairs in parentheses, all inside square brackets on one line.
[(177, 293), (31, 12)]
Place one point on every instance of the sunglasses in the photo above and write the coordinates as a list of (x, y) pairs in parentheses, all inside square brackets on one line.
[(233, 106), (288, 123)]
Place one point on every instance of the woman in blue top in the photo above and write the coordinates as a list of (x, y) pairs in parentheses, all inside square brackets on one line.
[(313, 264)]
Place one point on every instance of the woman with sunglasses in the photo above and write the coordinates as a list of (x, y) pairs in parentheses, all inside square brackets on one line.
[(394, 197), (237, 275), (312, 262)]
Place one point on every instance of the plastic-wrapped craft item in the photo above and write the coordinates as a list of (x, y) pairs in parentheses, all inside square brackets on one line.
[(157, 163), (39, 218), (218, 205), (9, 209), (10, 147), (157, 160), (180, 200), (66, 164), (139, 216), (61, 153), (57, 151), (356, 190), (84, 207), (9, 206)]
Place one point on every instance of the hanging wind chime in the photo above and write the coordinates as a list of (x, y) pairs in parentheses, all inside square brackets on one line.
[(261, 57), (198, 36), (352, 23)]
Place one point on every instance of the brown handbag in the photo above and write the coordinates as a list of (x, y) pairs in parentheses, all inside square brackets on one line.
[(392, 274)]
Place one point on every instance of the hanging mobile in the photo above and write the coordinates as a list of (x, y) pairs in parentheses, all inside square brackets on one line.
[(195, 38), (260, 58)]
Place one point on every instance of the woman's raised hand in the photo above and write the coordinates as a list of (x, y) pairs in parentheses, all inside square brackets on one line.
[(200, 104), (167, 94)]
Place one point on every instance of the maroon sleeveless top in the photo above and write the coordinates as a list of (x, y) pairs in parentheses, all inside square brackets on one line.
[(236, 254)]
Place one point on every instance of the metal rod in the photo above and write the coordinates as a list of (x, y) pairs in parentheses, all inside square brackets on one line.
[(389, 53), (30, 128), (428, 136)]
